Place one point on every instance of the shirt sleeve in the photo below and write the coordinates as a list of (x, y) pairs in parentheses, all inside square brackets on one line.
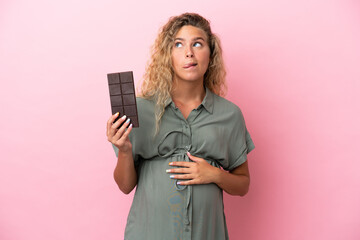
[(140, 137), (240, 143), (134, 139), (134, 154)]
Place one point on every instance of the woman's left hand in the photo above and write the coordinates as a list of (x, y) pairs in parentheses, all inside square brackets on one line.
[(197, 172)]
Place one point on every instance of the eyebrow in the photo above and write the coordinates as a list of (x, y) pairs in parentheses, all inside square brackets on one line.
[(194, 39)]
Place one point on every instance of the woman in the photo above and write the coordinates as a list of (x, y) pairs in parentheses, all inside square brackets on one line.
[(191, 143)]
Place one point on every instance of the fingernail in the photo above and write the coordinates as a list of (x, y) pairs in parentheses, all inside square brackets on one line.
[(179, 183), (171, 163), (172, 176), (123, 117), (128, 120), (130, 125), (168, 170), (116, 113)]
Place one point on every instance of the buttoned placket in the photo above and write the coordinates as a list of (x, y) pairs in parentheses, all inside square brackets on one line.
[(182, 150)]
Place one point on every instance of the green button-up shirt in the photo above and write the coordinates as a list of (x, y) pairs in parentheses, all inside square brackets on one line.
[(162, 209)]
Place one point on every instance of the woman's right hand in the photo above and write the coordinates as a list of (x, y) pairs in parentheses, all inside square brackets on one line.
[(124, 173), (119, 137)]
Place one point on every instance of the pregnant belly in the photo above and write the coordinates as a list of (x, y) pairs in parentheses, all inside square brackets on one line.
[(160, 202), (156, 184), (207, 196)]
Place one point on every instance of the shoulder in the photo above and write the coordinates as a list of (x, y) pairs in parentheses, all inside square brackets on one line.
[(146, 111), (224, 106), (144, 102), (145, 105)]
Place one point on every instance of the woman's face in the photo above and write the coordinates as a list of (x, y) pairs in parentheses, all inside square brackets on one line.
[(190, 54)]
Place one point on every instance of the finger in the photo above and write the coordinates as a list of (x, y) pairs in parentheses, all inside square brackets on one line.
[(112, 119), (128, 130), (110, 122), (181, 176), (189, 182), (114, 126), (125, 137), (193, 158), (180, 164), (117, 124), (121, 130), (178, 170)]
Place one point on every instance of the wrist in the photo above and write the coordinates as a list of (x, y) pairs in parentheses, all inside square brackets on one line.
[(217, 175), (123, 155)]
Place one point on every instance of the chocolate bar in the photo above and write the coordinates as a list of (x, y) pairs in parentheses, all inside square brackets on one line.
[(122, 96)]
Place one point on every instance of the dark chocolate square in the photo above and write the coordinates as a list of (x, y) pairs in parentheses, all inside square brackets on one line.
[(127, 88), (115, 89), (116, 100), (113, 78), (130, 110), (129, 99), (120, 110), (126, 77)]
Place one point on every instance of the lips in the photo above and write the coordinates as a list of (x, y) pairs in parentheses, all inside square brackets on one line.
[(189, 65)]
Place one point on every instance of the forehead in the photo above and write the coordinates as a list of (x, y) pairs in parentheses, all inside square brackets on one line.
[(189, 32)]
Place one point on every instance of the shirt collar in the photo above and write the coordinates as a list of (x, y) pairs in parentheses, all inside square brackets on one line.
[(207, 103), (168, 102)]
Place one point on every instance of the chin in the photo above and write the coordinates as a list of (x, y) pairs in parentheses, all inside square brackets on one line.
[(191, 77)]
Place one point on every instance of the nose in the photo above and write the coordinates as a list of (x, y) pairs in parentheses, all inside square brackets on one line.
[(189, 52)]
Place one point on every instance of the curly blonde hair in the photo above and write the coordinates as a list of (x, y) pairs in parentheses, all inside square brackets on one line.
[(158, 78)]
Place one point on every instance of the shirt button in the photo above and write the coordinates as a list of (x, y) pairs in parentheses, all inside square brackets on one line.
[(187, 222)]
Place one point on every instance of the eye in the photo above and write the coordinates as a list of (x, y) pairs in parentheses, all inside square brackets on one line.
[(197, 44), (178, 44)]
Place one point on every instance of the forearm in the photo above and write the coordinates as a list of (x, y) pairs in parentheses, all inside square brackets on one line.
[(233, 184), (125, 174)]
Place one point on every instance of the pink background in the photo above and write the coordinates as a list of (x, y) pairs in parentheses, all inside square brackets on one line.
[(293, 68)]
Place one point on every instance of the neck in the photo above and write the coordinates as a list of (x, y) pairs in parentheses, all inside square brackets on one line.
[(184, 91)]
